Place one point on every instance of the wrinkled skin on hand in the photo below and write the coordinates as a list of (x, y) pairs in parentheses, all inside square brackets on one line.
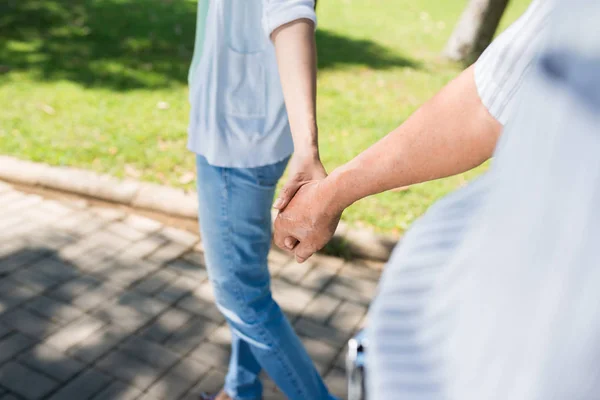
[(310, 219)]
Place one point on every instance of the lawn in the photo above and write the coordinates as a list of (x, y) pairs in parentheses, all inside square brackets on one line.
[(101, 84)]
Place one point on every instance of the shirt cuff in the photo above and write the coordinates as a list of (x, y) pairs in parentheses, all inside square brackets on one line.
[(278, 13)]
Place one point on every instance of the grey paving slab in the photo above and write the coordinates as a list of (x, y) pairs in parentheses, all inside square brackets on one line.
[(129, 369), (168, 322), (178, 380), (25, 382), (99, 304), (118, 390), (51, 362), (13, 344), (83, 386)]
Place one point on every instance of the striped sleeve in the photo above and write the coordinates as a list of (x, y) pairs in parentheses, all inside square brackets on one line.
[(500, 70)]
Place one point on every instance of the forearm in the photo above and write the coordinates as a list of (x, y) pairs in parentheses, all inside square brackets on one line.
[(297, 61), (451, 133)]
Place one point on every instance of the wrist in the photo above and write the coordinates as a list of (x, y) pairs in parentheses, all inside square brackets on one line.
[(338, 185)]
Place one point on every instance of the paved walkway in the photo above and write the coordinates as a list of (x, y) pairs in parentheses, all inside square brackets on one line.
[(99, 304)]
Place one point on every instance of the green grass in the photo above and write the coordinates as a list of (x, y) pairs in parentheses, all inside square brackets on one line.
[(101, 84)]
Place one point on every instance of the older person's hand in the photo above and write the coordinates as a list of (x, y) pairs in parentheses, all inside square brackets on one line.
[(309, 220)]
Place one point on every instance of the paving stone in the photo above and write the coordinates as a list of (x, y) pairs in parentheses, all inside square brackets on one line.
[(11, 246), (221, 336), (141, 303), (348, 316), (322, 354), (51, 362), (154, 282), (126, 318), (14, 293), (18, 203), (13, 344), (74, 333), (277, 260), (180, 379), (321, 308), (125, 231), (142, 224), (11, 197), (190, 269), (140, 249), (28, 323), (327, 334), (95, 297), (293, 272), (55, 208), (292, 299), (74, 288), (108, 213), (24, 381), (211, 354), (167, 323), (168, 252), (4, 330), (181, 287), (101, 242), (322, 274), (360, 269), (55, 269), (50, 238), (31, 278), (60, 312), (180, 236), (125, 274), (190, 335), (196, 258), (5, 187), (24, 256), (211, 383), (201, 307), (118, 390), (340, 360), (352, 289), (149, 352), (80, 223), (336, 382), (98, 344), (83, 386), (129, 369)]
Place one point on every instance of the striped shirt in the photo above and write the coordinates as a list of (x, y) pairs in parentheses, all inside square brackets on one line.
[(424, 335)]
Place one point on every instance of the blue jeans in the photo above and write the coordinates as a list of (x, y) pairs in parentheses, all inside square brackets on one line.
[(235, 223)]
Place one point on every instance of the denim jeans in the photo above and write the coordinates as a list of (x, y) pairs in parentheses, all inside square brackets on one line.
[(235, 223)]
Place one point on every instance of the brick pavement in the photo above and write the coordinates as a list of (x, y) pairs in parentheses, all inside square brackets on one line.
[(99, 304)]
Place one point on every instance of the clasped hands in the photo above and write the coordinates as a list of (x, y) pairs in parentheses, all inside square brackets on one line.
[(308, 212)]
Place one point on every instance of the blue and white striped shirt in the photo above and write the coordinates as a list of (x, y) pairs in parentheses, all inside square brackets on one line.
[(494, 293)]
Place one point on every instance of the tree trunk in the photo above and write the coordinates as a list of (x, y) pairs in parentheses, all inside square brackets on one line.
[(475, 30)]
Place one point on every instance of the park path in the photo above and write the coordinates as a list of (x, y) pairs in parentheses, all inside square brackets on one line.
[(98, 303)]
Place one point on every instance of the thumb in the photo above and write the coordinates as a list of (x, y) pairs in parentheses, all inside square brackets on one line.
[(285, 196), (303, 251)]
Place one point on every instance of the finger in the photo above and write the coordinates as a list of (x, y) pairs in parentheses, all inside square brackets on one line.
[(285, 196), (303, 251), (290, 242)]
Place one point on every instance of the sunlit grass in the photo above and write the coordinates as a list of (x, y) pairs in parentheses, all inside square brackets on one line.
[(101, 84)]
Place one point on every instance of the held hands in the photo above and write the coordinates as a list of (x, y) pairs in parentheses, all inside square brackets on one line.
[(308, 214)]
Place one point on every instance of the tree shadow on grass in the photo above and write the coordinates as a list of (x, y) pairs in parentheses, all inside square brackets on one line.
[(130, 44)]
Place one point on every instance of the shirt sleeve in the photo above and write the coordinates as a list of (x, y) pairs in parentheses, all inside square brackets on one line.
[(280, 12), (500, 70)]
